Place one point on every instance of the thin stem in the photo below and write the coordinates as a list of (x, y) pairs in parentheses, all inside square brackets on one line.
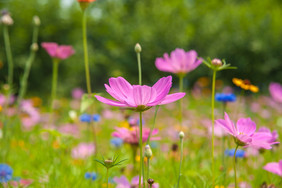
[(84, 34), (9, 55), (28, 66), (235, 175), (181, 158), (181, 77), (148, 168), (154, 124), (139, 68), (143, 171), (140, 147), (54, 81), (213, 96), (107, 176)]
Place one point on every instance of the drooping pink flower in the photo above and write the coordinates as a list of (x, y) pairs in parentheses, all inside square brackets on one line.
[(275, 168), (139, 98), (244, 132), (21, 183), (122, 182), (131, 136), (56, 51), (83, 150), (274, 134), (275, 90), (179, 62)]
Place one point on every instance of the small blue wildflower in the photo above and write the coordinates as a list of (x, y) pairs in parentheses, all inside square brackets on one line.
[(222, 97), (90, 175), (239, 153), (116, 142), (6, 173), (85, 118), (96, 117)]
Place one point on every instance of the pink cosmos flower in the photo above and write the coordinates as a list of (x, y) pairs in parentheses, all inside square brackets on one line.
[(179, 62), (83, 150), (244, 132), (69, 129), (77, 93), (32, 116), (275, 168), (56, 51), (22, 183), (274, 134), (122, 182), (131, 136), (275, 90), (139, 97)]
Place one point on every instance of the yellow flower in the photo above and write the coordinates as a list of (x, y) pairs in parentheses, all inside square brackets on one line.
[(254, 89), (217, 186), (1, 108), (245, 84), (124, 124), (238, 82), (56, 145), (36, 101)]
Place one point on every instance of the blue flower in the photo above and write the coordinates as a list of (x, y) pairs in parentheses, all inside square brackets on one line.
[(85, 118), (90, 175), (6, 173), (222, 97), (96, 117), (239, 153), (116, 142)]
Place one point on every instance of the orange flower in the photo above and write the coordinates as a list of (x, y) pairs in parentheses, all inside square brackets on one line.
[(245, 84)]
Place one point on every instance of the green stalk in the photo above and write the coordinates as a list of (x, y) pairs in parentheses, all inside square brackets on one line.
[(9, 55), (28, 65), (154, 124), (181, 159), (84, 34), (139, 68), (213, 96), (140, 147), (148, 168), (54, 81), (181, 77), (223, 147), (107, 176), (235, 175)]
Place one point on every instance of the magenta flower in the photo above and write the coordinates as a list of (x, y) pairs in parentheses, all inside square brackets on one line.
[(275, 90), (83, 151), (274, 134), (179, 62), (56, 51), (131, 136), (139, 97), (122, 182), (244, 132), (275, 168)]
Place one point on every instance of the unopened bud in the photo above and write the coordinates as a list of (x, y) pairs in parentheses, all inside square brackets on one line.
[(7, 20), (34, 47), (138, 48), (108, 163), (148, 152), (181, 135), (36, 20), (217, 62), (150, 181)]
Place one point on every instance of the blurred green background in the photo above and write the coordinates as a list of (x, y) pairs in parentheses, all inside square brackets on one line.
[(247, 33)]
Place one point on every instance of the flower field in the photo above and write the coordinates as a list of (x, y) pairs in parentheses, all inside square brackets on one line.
[(133, 133)]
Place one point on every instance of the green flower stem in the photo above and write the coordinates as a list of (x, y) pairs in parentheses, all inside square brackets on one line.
[(139, 68), (154, 124), (181, 77), (140, 147), (212, 113), (235, 175), (223, 146), (181, 159), (9, 55), (84, 34), (148, 168), (107, 176), (54, 81), (95, 143), (28, 65)]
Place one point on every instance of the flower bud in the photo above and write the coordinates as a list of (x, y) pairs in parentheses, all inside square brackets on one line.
[(150, 181), (108, 163), (217, 62), (181, 135), (7, 20), (36, 21), (148, 152), (138, 48), (34, 47)]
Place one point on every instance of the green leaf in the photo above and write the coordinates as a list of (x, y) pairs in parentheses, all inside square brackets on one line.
[(86, 102)]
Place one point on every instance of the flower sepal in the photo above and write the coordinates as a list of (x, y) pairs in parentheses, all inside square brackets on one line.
[(216, 66)]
